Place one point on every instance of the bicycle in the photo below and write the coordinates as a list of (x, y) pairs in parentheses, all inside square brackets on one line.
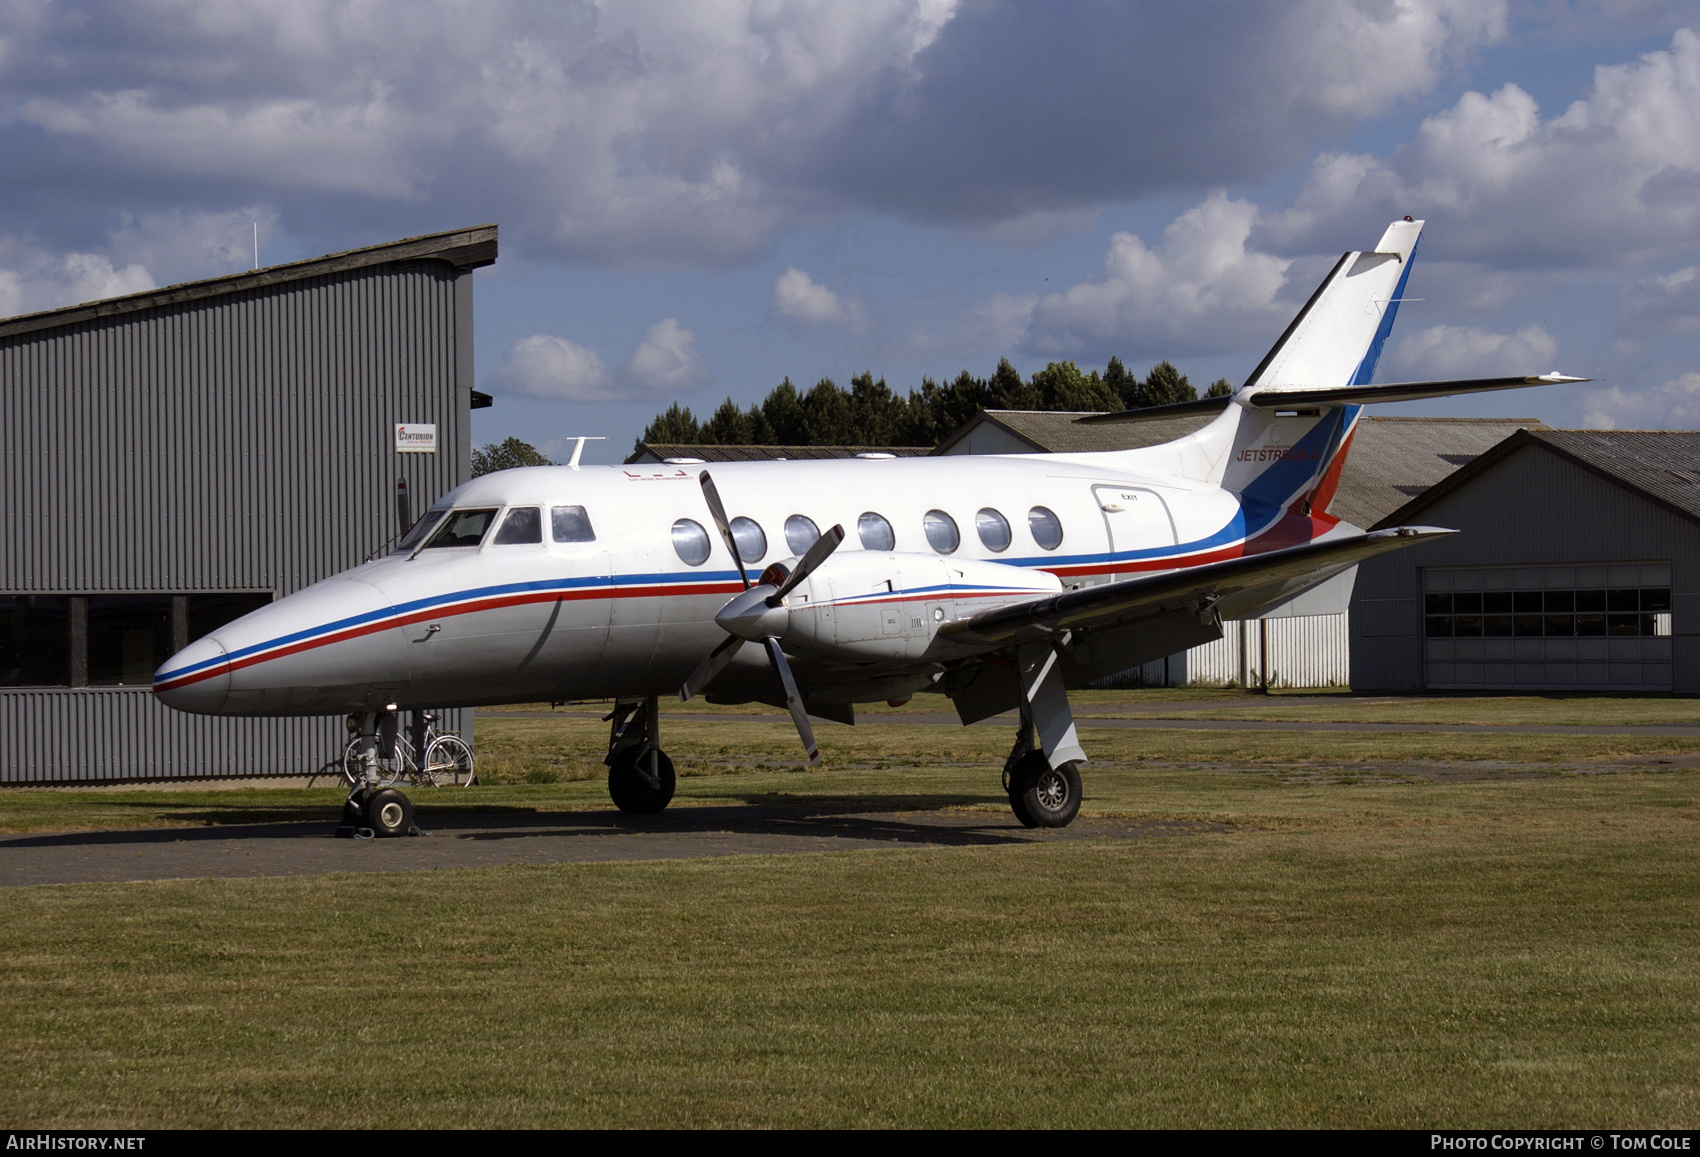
[(448, 761)]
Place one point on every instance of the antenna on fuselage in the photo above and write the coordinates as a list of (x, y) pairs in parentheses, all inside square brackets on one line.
[(579, 449)]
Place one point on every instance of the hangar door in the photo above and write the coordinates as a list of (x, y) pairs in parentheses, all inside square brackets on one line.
[(1548, 627)]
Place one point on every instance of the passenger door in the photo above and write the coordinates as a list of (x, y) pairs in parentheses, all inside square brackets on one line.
[(1136, 518)]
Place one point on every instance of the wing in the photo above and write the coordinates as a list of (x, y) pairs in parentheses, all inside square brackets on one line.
[(1235, 588)]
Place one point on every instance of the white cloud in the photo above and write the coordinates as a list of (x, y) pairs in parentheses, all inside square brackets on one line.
[(798, 297), (1663, 305), (1359, 58), (666, 360), (1201, 287), (184, 245), (678, 134), (1672, 405), (1615, 178), (32, 280), (1443, 352), (545, 366)]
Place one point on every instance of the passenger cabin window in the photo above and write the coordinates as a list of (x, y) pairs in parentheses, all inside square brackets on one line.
[(1045, 527), (875, 532), (417, 532), (523, 525), (462, 528), (571, 524), (800, 533), (993, 528), (690, 542), (751, 540), (941, 531)]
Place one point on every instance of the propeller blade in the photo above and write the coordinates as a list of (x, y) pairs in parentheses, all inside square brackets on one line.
[(813, 557), (793, 701), (718, 511), (710, 667)]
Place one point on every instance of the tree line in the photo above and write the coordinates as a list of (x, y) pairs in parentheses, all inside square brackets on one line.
[(870, 413)]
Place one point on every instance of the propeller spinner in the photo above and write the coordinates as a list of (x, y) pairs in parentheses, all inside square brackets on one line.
[(757, 614)]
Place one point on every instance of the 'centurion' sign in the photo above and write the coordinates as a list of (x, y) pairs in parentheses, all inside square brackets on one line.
[(413, 438)]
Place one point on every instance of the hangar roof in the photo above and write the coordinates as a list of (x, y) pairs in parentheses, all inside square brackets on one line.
[(462, 248), (1392, 459), (1662, 466), (661, 451)]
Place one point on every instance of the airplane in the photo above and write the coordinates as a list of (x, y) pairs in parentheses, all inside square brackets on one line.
[(1001, 582)]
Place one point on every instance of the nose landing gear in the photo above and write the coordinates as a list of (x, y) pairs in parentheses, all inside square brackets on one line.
[(640, 776), (372, 811)]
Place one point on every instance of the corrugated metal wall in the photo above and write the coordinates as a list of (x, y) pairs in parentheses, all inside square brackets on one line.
[(1535, 508), (102, 734), (237, 442), (1304, 651)]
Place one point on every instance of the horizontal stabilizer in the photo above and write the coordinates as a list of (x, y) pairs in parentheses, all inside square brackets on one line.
[(1399, 391), (1201, 589), (1157, 413)]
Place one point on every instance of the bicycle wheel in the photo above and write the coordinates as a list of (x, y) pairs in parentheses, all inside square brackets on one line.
[(449, 760), (354, 768), (351, 767)]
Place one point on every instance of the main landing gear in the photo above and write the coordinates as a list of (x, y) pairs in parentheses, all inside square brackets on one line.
[(371, 811), (1042, 773), (640, 776)]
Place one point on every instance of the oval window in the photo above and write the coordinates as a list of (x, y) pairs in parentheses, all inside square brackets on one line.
[(993, 528), (752, 543), (1045, 527), (690, 542), (800, 533), (875, 532), (941, 531)]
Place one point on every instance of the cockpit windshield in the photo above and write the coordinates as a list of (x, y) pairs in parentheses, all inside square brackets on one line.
[(417, 532), (462, 528)]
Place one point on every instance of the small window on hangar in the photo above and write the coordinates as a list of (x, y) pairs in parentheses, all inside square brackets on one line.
[(1596, 627)]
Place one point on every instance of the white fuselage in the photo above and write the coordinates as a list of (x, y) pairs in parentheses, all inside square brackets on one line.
[(627, 615)]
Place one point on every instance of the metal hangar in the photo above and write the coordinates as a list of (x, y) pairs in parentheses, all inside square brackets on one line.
[(174, 458)]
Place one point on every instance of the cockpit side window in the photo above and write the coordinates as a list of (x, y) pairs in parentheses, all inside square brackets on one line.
[(571, 524), (524, 524), (462, 528), (417, 532)]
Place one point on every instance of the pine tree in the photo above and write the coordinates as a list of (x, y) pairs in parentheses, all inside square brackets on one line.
[(1165, 384), (676, 426)]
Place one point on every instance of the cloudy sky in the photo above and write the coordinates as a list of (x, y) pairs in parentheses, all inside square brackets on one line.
[(698, 199)]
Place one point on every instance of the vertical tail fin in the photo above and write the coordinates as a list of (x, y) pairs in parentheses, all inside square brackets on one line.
[(1337, 337)]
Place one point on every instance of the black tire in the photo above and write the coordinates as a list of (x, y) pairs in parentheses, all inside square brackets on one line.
[(389, 814), (1043, 797), (631, 791)]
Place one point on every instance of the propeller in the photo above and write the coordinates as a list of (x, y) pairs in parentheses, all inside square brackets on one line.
[(757, 613)]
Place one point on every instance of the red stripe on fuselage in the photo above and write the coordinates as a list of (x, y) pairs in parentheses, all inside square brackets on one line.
[(445, 611)]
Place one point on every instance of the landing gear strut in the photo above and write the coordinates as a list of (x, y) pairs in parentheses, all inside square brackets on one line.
[(1042, 773), (372, 811), (640, 776)]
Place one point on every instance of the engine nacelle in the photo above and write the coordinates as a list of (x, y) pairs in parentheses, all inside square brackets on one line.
[(866, 606)]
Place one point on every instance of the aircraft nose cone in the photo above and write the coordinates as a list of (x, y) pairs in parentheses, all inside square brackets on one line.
[(195, 679), (749, 617)]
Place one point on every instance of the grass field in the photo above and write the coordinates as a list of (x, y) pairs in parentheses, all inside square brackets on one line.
[(1366, 944)]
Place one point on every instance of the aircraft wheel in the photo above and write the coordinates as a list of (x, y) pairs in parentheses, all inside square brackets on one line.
[(389, 814), (631, 791), (1042, 796)]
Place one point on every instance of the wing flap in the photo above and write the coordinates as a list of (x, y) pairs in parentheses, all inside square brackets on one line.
[(1238, 585)]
